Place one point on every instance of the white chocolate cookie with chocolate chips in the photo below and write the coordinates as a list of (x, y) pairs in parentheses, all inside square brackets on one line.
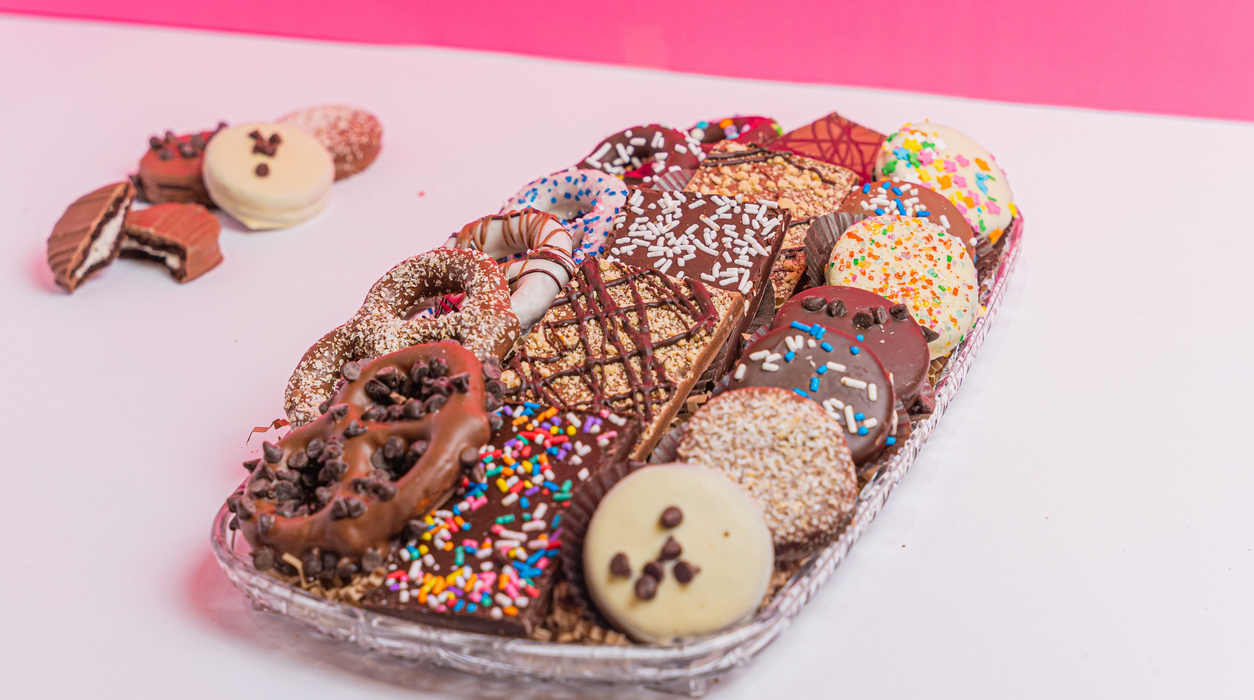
[(268, 175), (675, 552)]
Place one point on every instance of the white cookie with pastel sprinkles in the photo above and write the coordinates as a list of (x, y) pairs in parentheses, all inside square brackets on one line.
[(949, 162), (916, 263)]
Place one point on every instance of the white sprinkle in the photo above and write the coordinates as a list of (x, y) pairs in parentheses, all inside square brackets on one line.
[(533, 525), (870, 423), (849, 420), (770, 367), (583, 474), (759, 355), (872, 392), (836, 367), (854, 383), (740, 371)]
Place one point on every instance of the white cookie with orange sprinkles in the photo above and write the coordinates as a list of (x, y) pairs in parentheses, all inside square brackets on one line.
[(916, 263)]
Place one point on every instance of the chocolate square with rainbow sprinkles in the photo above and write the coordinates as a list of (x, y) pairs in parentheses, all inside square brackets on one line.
[(486, 561)]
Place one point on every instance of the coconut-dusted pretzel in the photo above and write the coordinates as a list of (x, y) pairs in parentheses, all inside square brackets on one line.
[(545, 266), (485, 323), (392, 446)]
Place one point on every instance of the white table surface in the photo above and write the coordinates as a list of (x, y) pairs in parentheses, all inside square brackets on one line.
[(1081, 525)]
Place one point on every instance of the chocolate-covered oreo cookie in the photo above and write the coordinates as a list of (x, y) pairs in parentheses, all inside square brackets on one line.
[(889, 330), (832, 368), (171, 169), (897, 196)]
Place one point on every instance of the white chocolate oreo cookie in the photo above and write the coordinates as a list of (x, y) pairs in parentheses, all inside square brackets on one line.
[(675, 552), (268, 175)]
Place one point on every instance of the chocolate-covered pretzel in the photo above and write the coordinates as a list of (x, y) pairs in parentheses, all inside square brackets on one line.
[(485, 324), (392, 445)]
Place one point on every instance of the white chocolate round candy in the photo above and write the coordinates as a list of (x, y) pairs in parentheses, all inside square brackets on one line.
[(949, 162), (913, 262), (725, 554), (266, 182)]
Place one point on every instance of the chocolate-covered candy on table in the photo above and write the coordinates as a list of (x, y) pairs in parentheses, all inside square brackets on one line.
[(836, 140), (390, 443), (170, 171), (902, 198), (759, 130), (486, 561), (183, 237), (831, 368), (88, 236), (725, 242), (662, 582), (294, 185), (353, 136), (625, 339), (889, 330), (788, 453)]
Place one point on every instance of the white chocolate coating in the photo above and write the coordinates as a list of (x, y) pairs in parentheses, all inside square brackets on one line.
[(296, 189), (949, 162), (723, 532)]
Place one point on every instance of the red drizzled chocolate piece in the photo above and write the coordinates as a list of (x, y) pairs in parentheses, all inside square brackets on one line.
[(834, 139)]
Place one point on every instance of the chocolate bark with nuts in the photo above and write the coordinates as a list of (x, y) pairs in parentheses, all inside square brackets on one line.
[(171, 169), (726, 242), (389, 445), (183, 237), (626, 339), (889, 330), (88, 236), (487, 561)]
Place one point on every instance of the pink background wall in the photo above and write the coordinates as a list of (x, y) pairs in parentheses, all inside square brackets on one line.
[(1192, 58)]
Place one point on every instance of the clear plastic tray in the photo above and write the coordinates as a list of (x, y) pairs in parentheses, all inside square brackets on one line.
[(686, 669)]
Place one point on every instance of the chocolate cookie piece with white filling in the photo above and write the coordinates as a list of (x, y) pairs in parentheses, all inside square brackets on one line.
[(88, 236), (487, 561), (171, 169), (788, 453), (625, 339), (726, 242), (183, 237), (890, 332), (831, 368)]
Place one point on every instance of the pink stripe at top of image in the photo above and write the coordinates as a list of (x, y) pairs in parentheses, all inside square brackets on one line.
[(1183, 58)]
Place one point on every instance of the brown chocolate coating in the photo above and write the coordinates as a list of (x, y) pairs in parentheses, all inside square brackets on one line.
[(369, 502), (908, 199), (184, 237), (836, 140), (892, 334), (80, 227), (481, 503), (771, 361), (171, 169), (485, 323), (633, 154)]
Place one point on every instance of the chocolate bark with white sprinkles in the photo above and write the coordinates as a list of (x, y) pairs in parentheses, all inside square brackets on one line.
[(725, 242), (833, 369), (627, 339), (487, 561)]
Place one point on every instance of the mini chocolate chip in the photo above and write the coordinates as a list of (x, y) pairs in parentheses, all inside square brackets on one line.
[(322, 407), (263, 559), (928, 334), (670, 550), (619, 566), (324, 494), (354, 429), (495, 421), (312, 561), (298, 460), (394, 447), (684, 571), (154, 143), (370, 560), (880, 314), (384, 491), (646, 587), (198, 141), (654, 570), (372, 414), (254, 134), (394, 412), (416, 450), (671, 517), (234, 524), (245, 510), (439, 367), (419, 372), (338, 510), (434, 403), (338, 412), (495, 387), (491, 402), (314, 448), (165, 155), (460, 382), (491, 368), (442, 386), (187, 150), (469, 456), (379, 391), (863, 319), (285, 491), (251, 464), (259, 488), (345, 568), (900, 312), (276, 140), (221, 126), (389, 376), (813, 303), (378, 460), (232, 502), (287, 475), (272, 452), (170, 137), (262, 170), (356, 508), (412, 410), (265, 521), (837, 308), (350, 371)]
